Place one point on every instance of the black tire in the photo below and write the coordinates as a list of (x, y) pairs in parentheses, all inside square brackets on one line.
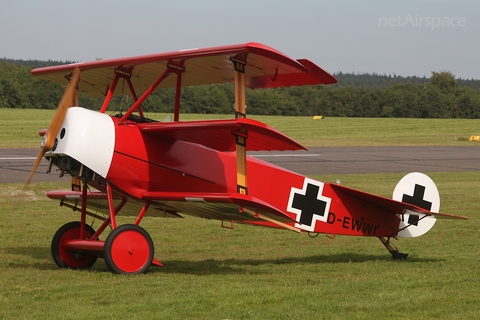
[(128, 249), (68, 258)]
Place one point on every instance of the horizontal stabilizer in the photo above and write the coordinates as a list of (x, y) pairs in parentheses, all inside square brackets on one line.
[(413, 220), (219, 134), (393, 206)]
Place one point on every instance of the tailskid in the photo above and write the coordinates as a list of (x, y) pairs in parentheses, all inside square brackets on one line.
[(396, 255)]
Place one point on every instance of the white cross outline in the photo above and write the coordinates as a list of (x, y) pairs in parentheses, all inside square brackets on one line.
[(298, 213)]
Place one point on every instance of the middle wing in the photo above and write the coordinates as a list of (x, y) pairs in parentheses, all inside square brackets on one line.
[(219, 134)]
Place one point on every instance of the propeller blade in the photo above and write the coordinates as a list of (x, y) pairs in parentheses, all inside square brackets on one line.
[(67, 99), (64, 104), (32, 173)]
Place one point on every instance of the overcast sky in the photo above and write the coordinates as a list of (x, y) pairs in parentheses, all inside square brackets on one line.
[(402, 37)]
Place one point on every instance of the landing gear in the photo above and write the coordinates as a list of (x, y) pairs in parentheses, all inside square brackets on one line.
[(128, 249), (396, 255), (66, 258)]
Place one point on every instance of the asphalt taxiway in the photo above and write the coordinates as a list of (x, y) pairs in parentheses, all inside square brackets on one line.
[(15, 164)]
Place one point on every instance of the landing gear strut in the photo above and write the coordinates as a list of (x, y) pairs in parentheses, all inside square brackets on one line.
[(396, 255), (127, 249)]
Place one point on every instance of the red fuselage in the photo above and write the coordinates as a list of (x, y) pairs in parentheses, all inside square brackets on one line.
[(143, 163)]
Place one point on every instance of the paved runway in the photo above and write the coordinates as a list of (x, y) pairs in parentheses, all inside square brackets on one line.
[(343, 160), (15, 164)]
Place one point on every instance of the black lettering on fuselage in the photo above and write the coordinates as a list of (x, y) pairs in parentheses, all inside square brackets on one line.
[(358, 225), (346, 222), (331, 218)]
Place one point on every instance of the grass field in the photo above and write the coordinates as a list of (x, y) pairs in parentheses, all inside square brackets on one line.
[(250, 272), (19, 129)]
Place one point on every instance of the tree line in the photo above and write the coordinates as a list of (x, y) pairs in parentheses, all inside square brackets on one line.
[(356, 95)]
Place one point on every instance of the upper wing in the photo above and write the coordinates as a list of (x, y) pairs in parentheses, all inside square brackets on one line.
[(265, 68), (217, 134)]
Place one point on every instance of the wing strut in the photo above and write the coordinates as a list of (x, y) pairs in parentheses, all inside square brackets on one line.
[(178, 90), (240, 137), (126, 75), (240, 109), (109, 94), (144, 96)]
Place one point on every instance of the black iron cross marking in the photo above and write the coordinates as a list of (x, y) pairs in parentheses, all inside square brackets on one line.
[(413, 219), (309, 205), (417, 198)]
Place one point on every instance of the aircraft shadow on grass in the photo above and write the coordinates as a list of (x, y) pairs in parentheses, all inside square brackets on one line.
[(232, 266), (208, 266), (37, 256)]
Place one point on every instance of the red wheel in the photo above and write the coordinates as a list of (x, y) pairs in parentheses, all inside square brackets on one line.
[(128, 249), (68, 258)]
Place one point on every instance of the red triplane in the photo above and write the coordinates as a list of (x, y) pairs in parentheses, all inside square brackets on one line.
[(128, 164)]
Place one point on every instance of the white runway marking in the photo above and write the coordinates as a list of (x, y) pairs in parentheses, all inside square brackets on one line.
[(285, 155)]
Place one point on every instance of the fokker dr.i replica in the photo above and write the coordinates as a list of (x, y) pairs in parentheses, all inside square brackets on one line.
[(128, 164)]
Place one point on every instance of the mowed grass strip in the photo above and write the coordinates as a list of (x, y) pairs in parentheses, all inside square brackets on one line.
[(19, 129), (249, 272)]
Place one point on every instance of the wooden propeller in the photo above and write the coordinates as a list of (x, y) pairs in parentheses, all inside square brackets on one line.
[(68, 98)]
